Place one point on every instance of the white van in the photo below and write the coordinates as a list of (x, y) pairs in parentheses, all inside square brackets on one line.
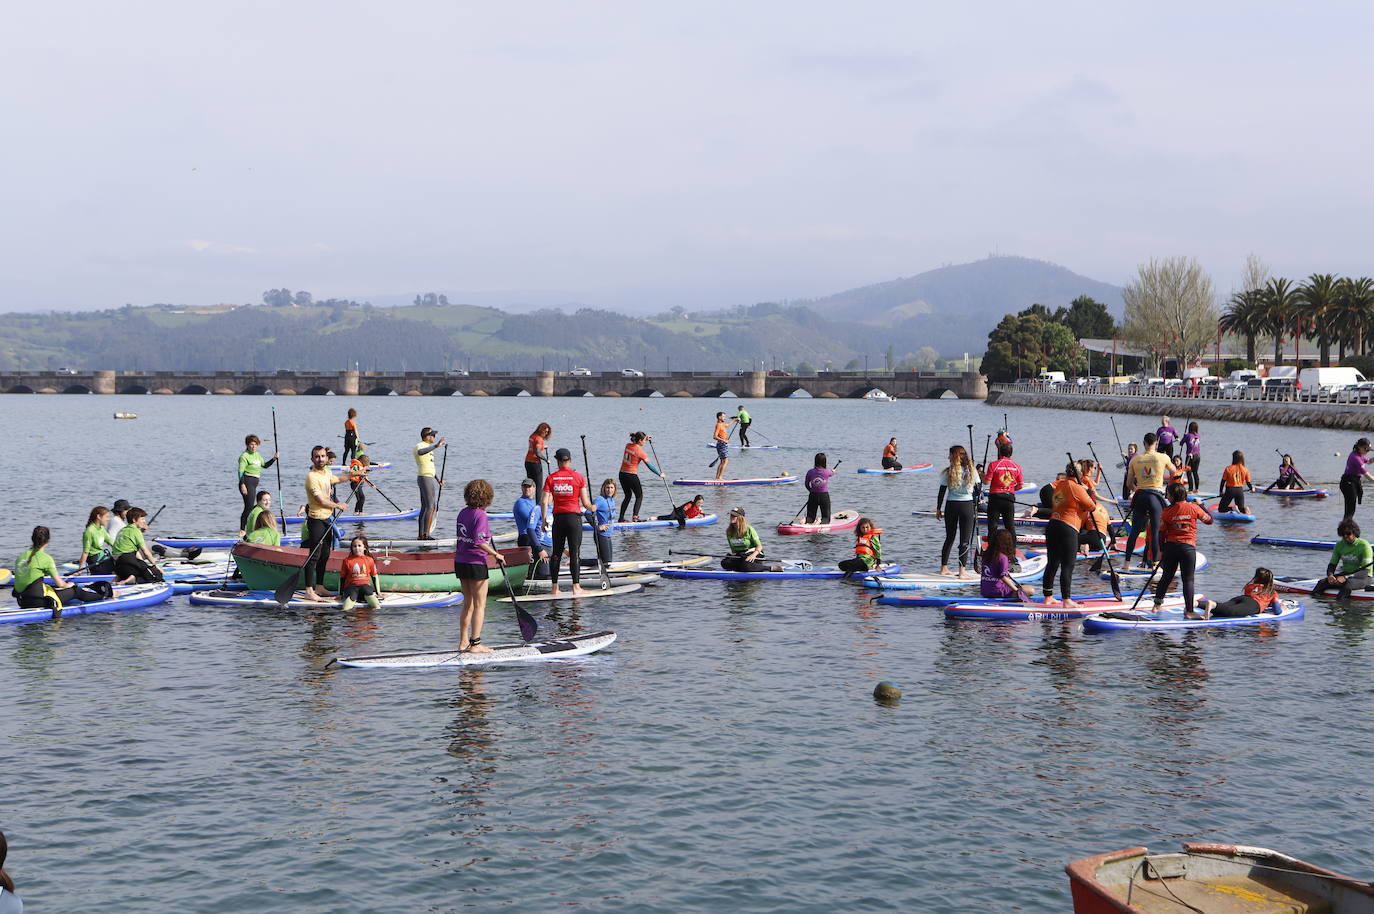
[(1319, 382), (1051, 377)]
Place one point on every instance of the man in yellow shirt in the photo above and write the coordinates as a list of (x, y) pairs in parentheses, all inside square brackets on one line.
[(319, 521), (1149, 473), (425, 478)]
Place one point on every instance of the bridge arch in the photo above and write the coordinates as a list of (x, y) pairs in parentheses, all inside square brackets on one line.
[(133, 389), (937, 393), (646, 392), (256, 390), (380, 392), (318, 391), (795, 390), (579, 392), (514, 390), (20, 389), (77, 389), (721, 393), (195, 390)]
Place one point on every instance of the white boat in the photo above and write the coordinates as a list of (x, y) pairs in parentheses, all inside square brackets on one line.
[(879, 396)]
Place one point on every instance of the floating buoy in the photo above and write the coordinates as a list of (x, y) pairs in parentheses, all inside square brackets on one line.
[(126, 415), (886, 692)]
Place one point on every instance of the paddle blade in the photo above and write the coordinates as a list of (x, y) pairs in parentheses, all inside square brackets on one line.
[(287, 589), (528, 626), (1116, 584)]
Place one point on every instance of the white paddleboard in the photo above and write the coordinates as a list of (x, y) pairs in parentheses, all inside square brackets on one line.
[(590, 589), (506, 653)]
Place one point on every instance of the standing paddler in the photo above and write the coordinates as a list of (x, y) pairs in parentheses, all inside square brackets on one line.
[(721, 438), (745, 420), (565, 493), (319, 521), (251, 466), (426, 479)]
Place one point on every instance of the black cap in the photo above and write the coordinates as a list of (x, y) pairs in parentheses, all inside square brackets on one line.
[(562, 454), (121, 505), (527, 481)]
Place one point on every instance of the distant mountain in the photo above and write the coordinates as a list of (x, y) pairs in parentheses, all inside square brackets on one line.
[(957, 305)]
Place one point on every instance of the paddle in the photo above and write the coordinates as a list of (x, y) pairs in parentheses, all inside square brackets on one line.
[(528, 626), (287, 588), (600, 566), (808, 497), (765, 437), (728, 433), (389, 501), (1117, 435), (1113, 578), (443, 469), (662, 475), (276, 446)]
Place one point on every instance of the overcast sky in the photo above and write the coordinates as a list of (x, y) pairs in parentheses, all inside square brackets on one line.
[(655, 154)]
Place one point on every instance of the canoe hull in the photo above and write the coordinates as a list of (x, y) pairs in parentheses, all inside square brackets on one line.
[(267, 567)]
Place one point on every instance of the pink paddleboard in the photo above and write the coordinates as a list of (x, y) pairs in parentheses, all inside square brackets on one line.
[(839, 520)]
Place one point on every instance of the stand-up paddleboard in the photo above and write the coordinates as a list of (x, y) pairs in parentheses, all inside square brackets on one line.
[(366, 518), (941, 600), (1291, 541), (132, 596), (1028, 487), (590, 590), (704, 520), (262, 599), (655, 566), (186, 542), (1032, 566), (1172, 617), (1234, 517), (1039, 612), (6, 577), (1141, 571), (1290, 584), (787, 574), (633, 580), (779, 480), (575, 646), (184, 579), (749, 447), (1125, 501), (1293, 493), (1116, 525), (384, 465), (914, 468), (839, 520)]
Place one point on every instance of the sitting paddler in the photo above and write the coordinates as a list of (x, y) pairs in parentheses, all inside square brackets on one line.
[(264, 532), (1258, 596), (1348, 569), (890, 461), (996, 582), (264, 500), (1045, 507), (134, 562), (684, 511), (1289, 477), (95, 543), (745, 547), (531, 530), (34, 565), (116, 521), (358, 581), (868, 549)]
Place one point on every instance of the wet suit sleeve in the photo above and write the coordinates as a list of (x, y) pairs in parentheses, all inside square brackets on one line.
[(268, 463), (421, 451)]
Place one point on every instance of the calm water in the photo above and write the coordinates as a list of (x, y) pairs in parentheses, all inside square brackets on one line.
[(725, 755)]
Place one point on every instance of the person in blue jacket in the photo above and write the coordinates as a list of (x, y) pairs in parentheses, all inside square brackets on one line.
[(601, 521), (531, 530)]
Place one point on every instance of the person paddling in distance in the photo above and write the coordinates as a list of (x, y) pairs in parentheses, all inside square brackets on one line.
[(955, 505), (537, 454), (1289, 477), (134, 562), (687, 509), (890, 461), (721, 438), (319, 522), (565, 497), (629, 472), (529, 523), (96, 543), (1256, 597), (264, 532), (868, 549), (118, 511), (251, 466), (1348, 569), (1179, 532), (1165, 436), (358, 581), (1148, 472), (470, 563), (1235, 480), (745, 420), (1191, 444), (351, 448), (996, 582), (1071, 503), (1352, 480), (603, 513), (746, 549), (34, 565), (357, 485), (426, 480), (818, 490)]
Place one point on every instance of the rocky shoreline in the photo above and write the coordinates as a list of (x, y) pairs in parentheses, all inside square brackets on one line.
[(1352, 416)]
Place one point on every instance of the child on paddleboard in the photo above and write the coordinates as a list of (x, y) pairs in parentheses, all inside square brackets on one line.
[(358, 582), (868, 548), (745, 547), (1289, 477), (682, 512), (1258, 596), (996, 582)]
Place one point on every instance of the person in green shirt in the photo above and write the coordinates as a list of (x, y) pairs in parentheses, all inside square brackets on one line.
[(251, 466), (745, 546), (264, 530), (95, 543), (1348, 569), (134, 562), (745, 420), (34, 565), (264, 500)]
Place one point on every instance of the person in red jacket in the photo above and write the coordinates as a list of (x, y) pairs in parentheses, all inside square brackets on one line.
[(1178, 530), (565, 491), (1002, 479)]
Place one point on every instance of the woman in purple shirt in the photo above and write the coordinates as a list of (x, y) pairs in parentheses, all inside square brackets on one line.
[(1192, 456), (1165, 436), (818, 491), (470, 563), (1352, 480), (996, 582)]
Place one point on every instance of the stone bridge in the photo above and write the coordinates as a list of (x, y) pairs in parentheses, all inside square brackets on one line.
[(907, 385)]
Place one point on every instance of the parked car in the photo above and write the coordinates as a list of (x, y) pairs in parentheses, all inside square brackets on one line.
[(631, 373), (581, 372), (456, 373), (779, 373)]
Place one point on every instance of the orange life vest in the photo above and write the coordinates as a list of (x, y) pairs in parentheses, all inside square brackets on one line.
[(863, 546)]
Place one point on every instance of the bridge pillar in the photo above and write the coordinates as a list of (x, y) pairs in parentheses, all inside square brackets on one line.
[(543, 384), (975, 386), (758, 385), (104, 382), (348, 383)]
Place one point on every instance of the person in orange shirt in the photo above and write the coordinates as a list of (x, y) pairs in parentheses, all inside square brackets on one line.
[(721, 439), (1178, 529), (633, 456), (890, 461), (537, 455), (358, 581), (1071, 502), (357, 472), (351, 448), (1235, 480)]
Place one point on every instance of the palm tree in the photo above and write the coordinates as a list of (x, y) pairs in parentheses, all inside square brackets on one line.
[(1245, 316), (1354, 312), (1316, 309), (1280, 303)]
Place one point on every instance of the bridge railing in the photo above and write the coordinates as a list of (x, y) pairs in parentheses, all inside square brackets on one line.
[(1279, 393)]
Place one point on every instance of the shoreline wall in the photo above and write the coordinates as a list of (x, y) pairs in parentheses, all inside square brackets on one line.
[(1352, 416)]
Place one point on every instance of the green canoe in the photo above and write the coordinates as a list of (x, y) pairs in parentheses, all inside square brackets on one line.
[(267, 567)]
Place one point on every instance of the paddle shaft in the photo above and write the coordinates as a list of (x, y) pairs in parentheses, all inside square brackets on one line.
[(662, 475), (276, 446), (600, 565), (443, 468), (286, 589), (1113, 578), (388, 500), (1119, 509), (1117, 436)]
